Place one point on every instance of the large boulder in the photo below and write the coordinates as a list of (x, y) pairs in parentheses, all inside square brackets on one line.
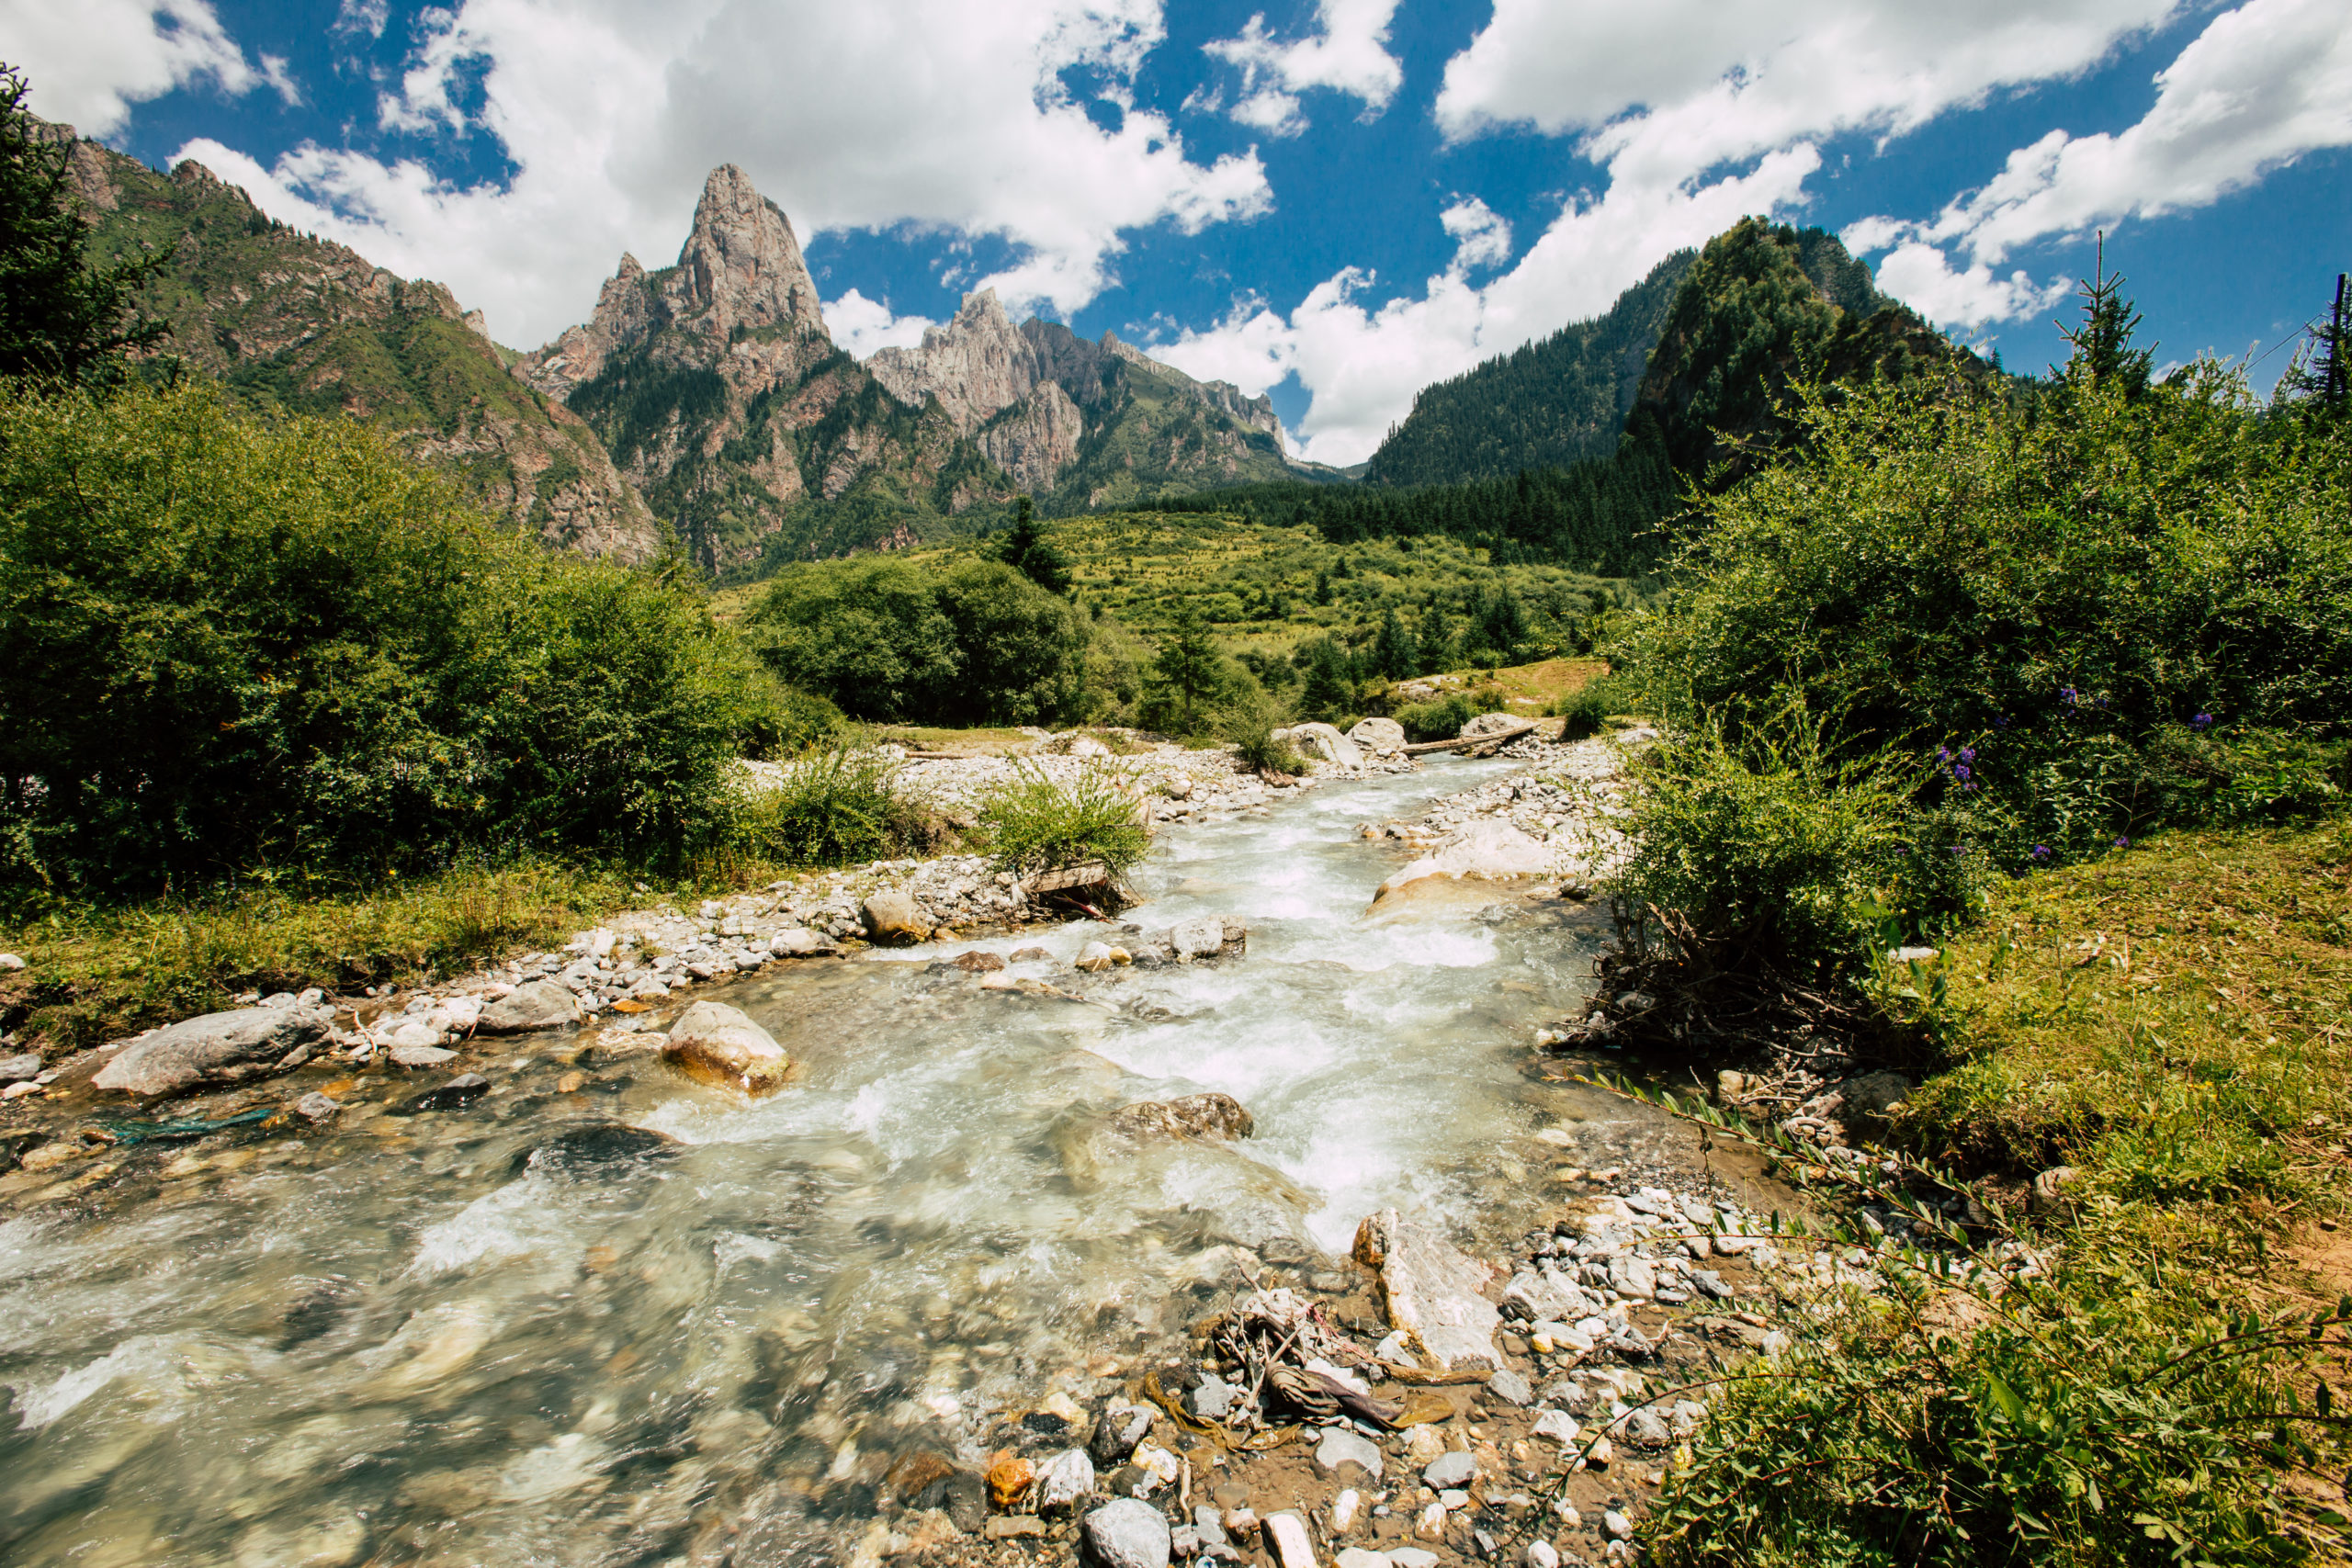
[(1205, 936), (1491, 724), (1324, 741), (542, 1004), (218, 1048), (720, 1044), (896, 917), (1381, 735), (1431, 1291), (1490, 850)]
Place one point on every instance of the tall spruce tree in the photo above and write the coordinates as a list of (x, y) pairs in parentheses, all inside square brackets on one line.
[(1436, 640), (58, 317), (2321, 376), (1187, 662), (1325, 690), (1024, 547), (1392, 653), (2103, 354)]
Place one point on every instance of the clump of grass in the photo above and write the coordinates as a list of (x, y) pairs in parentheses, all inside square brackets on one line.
[(834, 808), (1039, 823), (1442, 718), (1256, 748), (1587, 710)]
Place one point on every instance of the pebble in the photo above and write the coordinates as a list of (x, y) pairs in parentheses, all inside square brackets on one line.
[(1512, 1389), (1341, 1446), (1123, 1533), (315, 1107), (1616, 1524), (18, 1069), (1411, 1556), (1291, 1547), (1344, 1509), (421, 1056), (1540, 1554), (1067, 1477), (1456, 1468), (1357, 1557), (1010, 1478), (11, 961)]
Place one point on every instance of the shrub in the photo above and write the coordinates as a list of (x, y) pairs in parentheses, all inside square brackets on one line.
[(1040, 823), (1255, 748), (783, 721), (1587, 708), (1442, 718), (833, 807), (1762, 851), (227, 640)]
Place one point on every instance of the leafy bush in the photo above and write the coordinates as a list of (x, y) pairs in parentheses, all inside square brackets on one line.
[(1442, 718), (888, 640), (833, 808), (227, 640), (2051, 586), (1040, 823), (1587, 708), (1256, 748), (1763, 849), (782, 721)]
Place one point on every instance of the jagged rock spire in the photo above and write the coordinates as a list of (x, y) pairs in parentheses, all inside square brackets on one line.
[(741, 263)]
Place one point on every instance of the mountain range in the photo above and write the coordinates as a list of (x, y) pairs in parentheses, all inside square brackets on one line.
[(706, 397)]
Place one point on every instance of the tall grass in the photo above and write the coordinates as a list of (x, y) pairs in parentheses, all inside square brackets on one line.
[(1040, 823)]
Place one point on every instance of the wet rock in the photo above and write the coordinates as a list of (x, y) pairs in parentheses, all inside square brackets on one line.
[(421, 1056), (1194, 1116), (1010, 1478), (1121, 1427), (1063, 1480), (220, 1047), (1126, 1533), (1450, 1470), (1029, 954), (1869, 1101), (316, 1109), (20, 1069), (463, 1089), (599, 1148), (1556, 1425), (1206, 936), (541, 1004), (1288, 1534), (1095, 957), (1340, 1446), (1431, 1290), (1512, 1389), (978, 962), (895, 918), (1380, 735), (798, 941), (722, 1045)]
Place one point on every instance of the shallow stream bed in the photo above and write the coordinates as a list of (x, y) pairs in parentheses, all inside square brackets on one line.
[(516, 1332)]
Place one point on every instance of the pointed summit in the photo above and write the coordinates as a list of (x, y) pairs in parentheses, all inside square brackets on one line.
[(741, 263), (976, 365)]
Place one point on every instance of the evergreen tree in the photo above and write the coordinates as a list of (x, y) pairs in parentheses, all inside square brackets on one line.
[(1322, 588), (1394, 657), (1502, 623), (1187, 662), (2320, 375), (1325, 691), (1024, 547), (58, 317), (1436, 640), (2103, 356)]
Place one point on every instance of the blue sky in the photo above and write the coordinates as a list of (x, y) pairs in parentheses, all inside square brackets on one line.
[(1336, 200)]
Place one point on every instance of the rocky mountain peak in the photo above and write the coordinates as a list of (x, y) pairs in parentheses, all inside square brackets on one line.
[(976, 365), (741, 264)]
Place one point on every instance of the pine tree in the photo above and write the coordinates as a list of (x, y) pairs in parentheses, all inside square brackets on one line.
[(1024, 547), (2321, 375), (1436, 640), (1187, 662), (2103, 356), (58, 317), (1392, 653), (1326, 691), (1322, 588)]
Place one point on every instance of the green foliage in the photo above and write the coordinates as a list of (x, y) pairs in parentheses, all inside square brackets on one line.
[(2104, 357), (1587, 708), (783, 721), (1761, 850), (1395, 654), (1040, 823), (1025, 549), (59, 316), (887, 639), (227, 640), (2038, 595), (1326, 691), (1252, 730), (2319, 382), (1443, 718), (833, 807), (1188, 666)]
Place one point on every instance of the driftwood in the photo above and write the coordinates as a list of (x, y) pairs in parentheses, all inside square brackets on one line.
[(1091, 874), (1476, 745)]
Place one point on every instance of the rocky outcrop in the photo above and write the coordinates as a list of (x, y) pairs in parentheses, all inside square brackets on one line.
[(1489, 851), (976, 365), (317, 327)]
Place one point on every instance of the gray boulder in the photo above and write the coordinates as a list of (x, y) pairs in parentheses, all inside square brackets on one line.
[(1324, 741), (895, 917), (1063, 1480), (1126, 1533), (542, 1004), (220, 1047), (16, 1069), (798, 941), (1490, 724), (1206, 936), (722, 1045), (1512, 1389), (1378, 735)]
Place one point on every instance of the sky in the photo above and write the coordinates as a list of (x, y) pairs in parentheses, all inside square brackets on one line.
[(1335, 201)]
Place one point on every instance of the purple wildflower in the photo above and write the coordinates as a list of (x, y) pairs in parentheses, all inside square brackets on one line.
[(2042, 852), (2200, 721), (2123, 843), (1968, 753), (1961, 772)]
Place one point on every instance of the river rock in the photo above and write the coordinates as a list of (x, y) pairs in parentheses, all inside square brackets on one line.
[(1213, 1398), (414, 1056), (1490, 724), (20, 1069), (798, 941), (978, 962), (1869, 1103), (1556, 1425), (1547, 1295), (316, 1109), (1126, 1533), (895, 918), (1293, 1548), (1063, 1480), (1430, 1289), (1010, 1478), (1324, 741), (220, 1047), (1194, 1116), (1490, 850), (1205, 936), (1512, 1389), (597, 1149), (1450, 1470), (542, 1004), (719, 1044), (1635, 1277), (1378, 735), (1340, 1446), (1121, 1427), (463, 1089)]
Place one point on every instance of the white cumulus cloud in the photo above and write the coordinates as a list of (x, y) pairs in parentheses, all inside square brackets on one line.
[(90, 60), (934, 114), (1348, 54), (860, 325)]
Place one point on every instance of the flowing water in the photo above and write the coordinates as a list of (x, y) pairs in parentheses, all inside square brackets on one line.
[(417, 1339)]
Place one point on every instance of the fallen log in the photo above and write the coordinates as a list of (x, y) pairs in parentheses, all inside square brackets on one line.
[(1476, 745)]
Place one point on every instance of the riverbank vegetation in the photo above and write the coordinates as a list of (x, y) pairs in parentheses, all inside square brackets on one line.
[(2058, 686)]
